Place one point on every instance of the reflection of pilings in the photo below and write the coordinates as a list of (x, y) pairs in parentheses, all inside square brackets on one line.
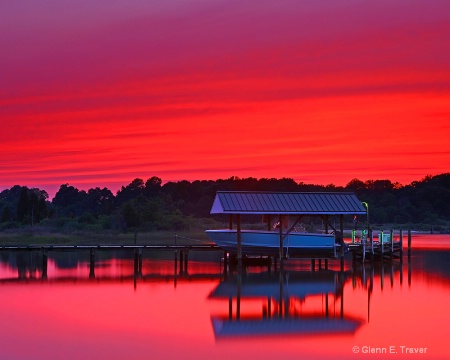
[(44, 264), (92, 264), (401, 270), (280, 300), (184, 255), (138, 262), (368, 305), (409, 270), (175, 268), (392, 275), (238, 296)]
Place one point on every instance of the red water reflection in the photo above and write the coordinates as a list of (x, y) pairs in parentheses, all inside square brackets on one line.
[(119, 316)]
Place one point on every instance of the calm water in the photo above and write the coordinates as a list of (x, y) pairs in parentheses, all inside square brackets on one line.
[(115, 314)]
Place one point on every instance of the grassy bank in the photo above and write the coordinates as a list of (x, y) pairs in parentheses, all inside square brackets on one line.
[(42, 236)]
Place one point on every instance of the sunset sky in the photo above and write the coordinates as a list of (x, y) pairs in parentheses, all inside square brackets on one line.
[(99, 93)]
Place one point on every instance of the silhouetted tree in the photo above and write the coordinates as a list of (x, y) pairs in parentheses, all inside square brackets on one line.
[(23, 204)]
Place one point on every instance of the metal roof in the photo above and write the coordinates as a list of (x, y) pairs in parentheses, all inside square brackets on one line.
[(305, 203)]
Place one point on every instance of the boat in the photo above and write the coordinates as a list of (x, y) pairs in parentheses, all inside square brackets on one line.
[(260, 242)]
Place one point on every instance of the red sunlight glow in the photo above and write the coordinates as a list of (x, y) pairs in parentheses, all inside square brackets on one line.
[(321, 94)]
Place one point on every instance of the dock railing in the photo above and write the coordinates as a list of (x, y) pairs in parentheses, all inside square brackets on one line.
[(378, 244)]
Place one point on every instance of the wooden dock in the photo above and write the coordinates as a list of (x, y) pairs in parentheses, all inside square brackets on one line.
[(384, 245)]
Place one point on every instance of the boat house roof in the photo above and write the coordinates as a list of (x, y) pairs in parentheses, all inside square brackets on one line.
[(287, 203)]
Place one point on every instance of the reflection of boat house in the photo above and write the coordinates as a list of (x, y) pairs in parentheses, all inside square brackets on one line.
[(282, 292), (279, 205)]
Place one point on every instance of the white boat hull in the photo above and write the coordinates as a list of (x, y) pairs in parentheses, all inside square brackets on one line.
[(268, 242)]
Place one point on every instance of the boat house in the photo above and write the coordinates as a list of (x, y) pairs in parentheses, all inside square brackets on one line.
[(280, 205)]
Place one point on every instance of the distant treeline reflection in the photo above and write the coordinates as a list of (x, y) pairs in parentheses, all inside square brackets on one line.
[(150, 205)]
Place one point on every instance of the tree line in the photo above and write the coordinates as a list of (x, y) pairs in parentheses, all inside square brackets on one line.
[(151, 205)]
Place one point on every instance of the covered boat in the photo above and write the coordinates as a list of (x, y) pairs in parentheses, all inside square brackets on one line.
[(285, 240), (254, 242)]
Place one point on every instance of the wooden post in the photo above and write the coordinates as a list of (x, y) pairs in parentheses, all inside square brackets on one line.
[(225, 261), (401, 242), (341, 226), (140, 261), (326, 264), (269, 220), (371, 243), (175, 253), (230, 222), (239, 242), (136, 262), (181, 260), (313, 265), (92, 264), (281, 240), (392, 242), (186, 254), (44, 263), (363, 245), (409, 242)]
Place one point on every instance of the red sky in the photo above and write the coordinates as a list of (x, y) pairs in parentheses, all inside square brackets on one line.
[(319, 91)]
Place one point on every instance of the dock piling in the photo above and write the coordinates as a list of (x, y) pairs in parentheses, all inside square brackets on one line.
[(44, 264), (409, 242), (401, 242), (392, 244), (91, 264)]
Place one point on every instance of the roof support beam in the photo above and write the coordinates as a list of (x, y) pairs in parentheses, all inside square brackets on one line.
[(291, 228)]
